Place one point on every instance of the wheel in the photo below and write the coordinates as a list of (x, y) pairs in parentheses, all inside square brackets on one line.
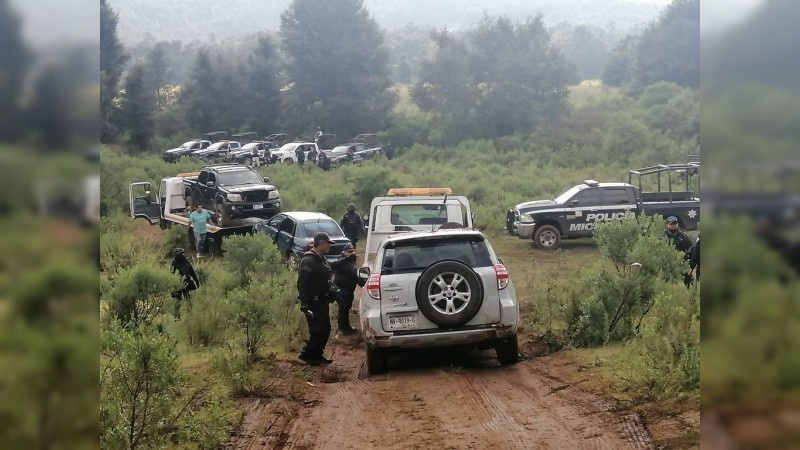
[(449, 293), (223, 218), (507, 350), (377, 362), (547, 237), (287, 161)]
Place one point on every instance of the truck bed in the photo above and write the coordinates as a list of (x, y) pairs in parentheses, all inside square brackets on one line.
[(674, 196)]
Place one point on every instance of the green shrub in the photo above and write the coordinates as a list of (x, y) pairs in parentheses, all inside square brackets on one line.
[(252, 256), (250, 316), (142, 292), (279, 295), (241, 376), (664, 359), (137, 389), (205, 322)]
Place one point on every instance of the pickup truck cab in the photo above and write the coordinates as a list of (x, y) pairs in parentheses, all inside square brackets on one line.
[(575, 213), (219, 149), (413, 209), (286, 154), (174, 154)]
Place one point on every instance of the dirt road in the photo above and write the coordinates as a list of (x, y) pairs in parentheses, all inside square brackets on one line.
[(441, 399)]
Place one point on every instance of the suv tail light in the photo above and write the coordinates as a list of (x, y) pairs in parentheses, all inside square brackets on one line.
[(502, 276), (374, 286)]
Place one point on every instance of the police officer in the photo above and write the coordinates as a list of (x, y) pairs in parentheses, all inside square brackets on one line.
[(300, 154), (682, 243), (345, 277), (184, 268), (679, 239), (315, 292), (351, 223)]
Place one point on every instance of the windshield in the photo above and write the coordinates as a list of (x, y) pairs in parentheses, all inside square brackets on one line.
[(563, 198), (329, 226), (417, 254), (216, 146), (288, 147), (340, 149), (187, 144), (250, 146), (239, 177)]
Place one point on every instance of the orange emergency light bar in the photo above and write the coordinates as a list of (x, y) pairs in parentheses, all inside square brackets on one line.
[(395, 192), (188, 174)]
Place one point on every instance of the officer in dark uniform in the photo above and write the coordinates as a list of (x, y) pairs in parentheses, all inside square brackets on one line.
[(315, 292), (351, 224), (682, 243), (345, 277), (300, 155), (181, 265)]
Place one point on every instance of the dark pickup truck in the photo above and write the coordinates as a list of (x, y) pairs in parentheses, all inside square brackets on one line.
[(574, 213), (233, 191)]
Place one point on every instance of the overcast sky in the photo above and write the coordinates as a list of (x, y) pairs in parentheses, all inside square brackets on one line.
[(48, 22)]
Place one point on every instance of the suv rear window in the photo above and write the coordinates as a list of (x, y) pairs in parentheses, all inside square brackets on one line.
[(415, 255)]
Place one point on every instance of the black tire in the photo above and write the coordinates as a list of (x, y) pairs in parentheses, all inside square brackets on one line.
[(547, 237), (377, 361), (223, 218), (507, 350), (463, 310)]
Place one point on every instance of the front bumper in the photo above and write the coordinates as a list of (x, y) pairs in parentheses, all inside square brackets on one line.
[(246, 210), (525, 230)]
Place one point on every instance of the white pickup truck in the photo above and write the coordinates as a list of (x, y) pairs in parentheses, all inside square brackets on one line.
[(413, 209)]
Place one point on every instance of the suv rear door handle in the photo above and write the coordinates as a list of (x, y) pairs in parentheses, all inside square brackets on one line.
[(393, 287)]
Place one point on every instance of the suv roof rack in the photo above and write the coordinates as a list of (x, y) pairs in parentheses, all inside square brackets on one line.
[(400, 192)]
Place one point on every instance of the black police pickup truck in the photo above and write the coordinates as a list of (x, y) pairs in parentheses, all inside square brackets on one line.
[(574, 213), (233, 191)]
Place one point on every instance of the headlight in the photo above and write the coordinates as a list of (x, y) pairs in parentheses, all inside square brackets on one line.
[(273, 195), (525, 218), (234, 197)]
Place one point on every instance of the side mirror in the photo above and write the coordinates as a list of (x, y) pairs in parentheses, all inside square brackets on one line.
[(147, 193), (573, 203), (210, 184), (266, 179), (501, 261), (366, 218), (363, 273)]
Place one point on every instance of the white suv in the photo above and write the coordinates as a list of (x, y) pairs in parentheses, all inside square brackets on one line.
[(433, 289)]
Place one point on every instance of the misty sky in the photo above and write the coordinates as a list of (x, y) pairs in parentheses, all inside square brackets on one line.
[(49, 22)]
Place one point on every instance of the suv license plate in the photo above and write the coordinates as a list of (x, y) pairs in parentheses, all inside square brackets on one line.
[(403, 322), (258, 206)]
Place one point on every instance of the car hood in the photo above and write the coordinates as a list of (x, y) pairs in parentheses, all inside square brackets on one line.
[(176, 150), (247, 188), (536, 205)]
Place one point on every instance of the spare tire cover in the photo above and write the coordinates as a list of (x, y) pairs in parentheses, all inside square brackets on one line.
[(449, 293)]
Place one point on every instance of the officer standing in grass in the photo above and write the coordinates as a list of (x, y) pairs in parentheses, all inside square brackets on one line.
[(682, 243), (315, 293), (182, 266), (351, 224)]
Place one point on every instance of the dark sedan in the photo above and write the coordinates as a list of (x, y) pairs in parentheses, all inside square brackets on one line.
[(293, 231)]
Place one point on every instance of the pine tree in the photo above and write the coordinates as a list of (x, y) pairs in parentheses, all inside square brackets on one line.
[(138, 107), (112, 63), (14, 59)]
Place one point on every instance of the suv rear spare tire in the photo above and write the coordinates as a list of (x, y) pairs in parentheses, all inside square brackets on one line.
[(449, 293)]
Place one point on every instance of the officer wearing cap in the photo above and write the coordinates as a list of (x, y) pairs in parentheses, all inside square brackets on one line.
[(679, 239), (315, 291), (351, 224), (346, 278)]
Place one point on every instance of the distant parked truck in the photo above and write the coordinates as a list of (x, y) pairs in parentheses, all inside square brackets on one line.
[(187, 148)]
